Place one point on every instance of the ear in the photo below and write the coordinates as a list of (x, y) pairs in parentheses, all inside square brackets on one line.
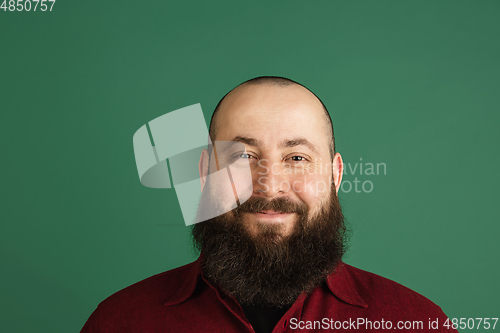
[(337, 170), (203, 168)]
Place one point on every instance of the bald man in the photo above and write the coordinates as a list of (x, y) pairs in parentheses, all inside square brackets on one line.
[(274, 263)]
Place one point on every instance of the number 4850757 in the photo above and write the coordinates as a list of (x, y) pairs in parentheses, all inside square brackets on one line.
[(26, 5)]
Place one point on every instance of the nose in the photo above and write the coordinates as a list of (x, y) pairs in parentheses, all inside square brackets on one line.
[(269, 180)]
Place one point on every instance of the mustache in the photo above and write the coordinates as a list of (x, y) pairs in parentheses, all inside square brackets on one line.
[(279, 205)]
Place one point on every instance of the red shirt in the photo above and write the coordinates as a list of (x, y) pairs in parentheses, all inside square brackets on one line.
[(181, 300)]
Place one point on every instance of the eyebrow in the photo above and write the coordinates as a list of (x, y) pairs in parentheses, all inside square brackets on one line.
[(249, 141), (288, 143), (298, 142)]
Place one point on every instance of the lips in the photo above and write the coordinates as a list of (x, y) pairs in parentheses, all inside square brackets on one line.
[(272, 216), (271, 212)]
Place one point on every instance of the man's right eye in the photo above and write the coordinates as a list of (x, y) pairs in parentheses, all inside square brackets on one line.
[(244, 155)]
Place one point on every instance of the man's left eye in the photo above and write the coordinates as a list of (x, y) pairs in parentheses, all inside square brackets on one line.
[(297, 158)]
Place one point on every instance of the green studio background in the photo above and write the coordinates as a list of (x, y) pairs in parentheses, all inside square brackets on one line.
[(411, 84)]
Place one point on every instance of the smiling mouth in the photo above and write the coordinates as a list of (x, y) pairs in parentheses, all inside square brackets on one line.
[(272, 212), (271, 215)]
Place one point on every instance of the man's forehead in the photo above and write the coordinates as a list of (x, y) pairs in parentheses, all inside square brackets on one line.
[(271, 97), (251, 110), (291, 142)]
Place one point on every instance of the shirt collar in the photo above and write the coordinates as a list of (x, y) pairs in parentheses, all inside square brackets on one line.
[(340, 283), (191, 275)]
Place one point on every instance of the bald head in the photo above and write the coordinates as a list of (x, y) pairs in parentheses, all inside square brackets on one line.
[(271, 94)]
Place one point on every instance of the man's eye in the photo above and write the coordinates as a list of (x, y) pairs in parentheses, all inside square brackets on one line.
[(243, 156), (297, 158)]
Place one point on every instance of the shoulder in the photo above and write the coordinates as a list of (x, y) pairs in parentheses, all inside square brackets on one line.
[(154, 289), (142, 299), (380, 292)]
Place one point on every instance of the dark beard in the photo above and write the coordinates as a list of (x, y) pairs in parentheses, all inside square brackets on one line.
[(268, 269)]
